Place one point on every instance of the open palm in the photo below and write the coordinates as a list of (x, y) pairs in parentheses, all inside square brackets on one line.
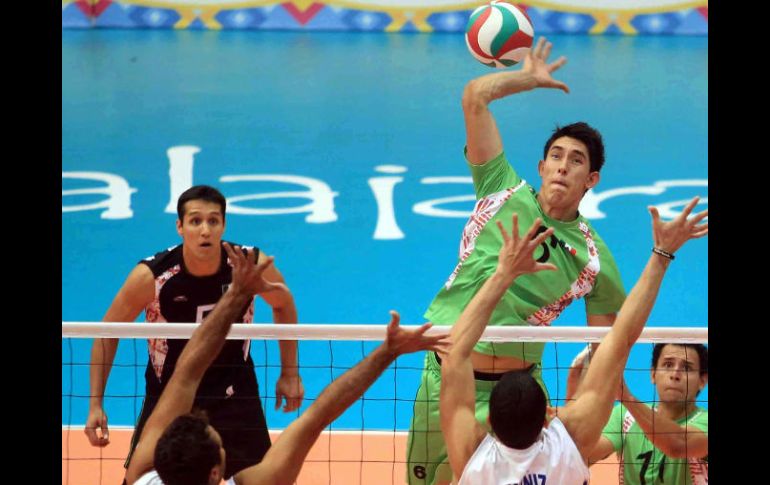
[(402, 341), (536, 64)]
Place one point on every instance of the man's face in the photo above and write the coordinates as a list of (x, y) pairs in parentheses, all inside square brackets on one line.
[(677, 376), (566, 172), (201, 228)]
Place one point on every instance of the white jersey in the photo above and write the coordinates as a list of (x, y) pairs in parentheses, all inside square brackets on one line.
[(152, 478), (552, 459)]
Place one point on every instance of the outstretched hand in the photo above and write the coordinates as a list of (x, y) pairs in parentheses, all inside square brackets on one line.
[(536, 64), (516, 254), (247, 276), (670, 236), (402, 341)]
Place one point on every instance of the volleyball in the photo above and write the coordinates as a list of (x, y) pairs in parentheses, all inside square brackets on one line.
[(499, 34)]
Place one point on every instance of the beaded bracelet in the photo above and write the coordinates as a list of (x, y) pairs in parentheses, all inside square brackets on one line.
[(663, 253)]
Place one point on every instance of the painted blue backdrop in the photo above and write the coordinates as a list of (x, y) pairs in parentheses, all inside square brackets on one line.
[(336, 108)]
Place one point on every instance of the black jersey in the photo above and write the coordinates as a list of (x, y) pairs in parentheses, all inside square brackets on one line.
[(181, 297)]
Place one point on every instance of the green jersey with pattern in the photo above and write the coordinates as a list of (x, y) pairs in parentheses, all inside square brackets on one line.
[(643, 464), (586, 269)]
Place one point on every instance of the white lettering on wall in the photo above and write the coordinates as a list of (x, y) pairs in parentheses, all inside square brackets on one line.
[(428, 207), (180, 172), (589, 206), (320, 209), (117, 190), (320, 197), (382, 188)]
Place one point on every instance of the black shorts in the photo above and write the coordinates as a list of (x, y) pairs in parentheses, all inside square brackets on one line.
[(238, 419)]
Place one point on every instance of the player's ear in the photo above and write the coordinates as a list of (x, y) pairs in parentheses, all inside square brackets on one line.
[(593, 180), (179, 226), (215, 475)]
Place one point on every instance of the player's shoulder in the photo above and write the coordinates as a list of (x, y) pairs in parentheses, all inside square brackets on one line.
[(594, 233), (605, 253), (162, 260)]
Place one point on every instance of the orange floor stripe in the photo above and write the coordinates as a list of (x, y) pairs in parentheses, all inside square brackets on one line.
[(345, 458)]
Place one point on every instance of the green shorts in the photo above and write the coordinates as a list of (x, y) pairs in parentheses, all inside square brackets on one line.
[(426, 455)]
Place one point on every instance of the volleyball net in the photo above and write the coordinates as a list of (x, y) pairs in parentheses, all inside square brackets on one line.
[(367, 443)]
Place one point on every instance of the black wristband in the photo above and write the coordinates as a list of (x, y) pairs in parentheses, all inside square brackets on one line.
[(663, 253)]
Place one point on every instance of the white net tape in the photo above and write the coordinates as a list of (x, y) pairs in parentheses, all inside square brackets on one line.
[(359, 332)]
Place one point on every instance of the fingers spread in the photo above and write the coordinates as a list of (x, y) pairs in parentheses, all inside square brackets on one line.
[(547, 50), (701, 227), (558, 63), (545, 267), (538, 51), (229, 251), (264, 264), (542, 237), (562, 86), (424, 328), (503, 231), (533, 229), (515, 230), (689, 207), (441, 346), (699, 217)]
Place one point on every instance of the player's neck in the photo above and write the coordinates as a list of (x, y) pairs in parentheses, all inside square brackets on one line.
[(558, 212), (198, 266)]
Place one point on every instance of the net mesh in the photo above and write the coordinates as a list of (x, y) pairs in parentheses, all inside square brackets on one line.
[(367, 443)]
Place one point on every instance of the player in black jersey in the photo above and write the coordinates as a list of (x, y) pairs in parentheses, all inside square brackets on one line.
[(181, 448), (183, 284)]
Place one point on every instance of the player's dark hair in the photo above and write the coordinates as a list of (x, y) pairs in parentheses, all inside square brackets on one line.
[(589, 136), (517, 409), (185, 452), (200, 192)]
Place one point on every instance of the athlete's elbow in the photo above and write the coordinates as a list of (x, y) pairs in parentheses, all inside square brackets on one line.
[(282, 300), (475, 96)]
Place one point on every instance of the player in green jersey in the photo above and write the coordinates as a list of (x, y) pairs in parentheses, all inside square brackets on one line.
[(572, 159), (667, 443)]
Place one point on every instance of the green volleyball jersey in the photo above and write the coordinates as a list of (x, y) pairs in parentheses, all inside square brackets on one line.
[(585, 266), (643, 464)]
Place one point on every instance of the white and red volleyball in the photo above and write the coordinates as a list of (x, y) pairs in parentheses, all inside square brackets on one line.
[(499, 34)]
